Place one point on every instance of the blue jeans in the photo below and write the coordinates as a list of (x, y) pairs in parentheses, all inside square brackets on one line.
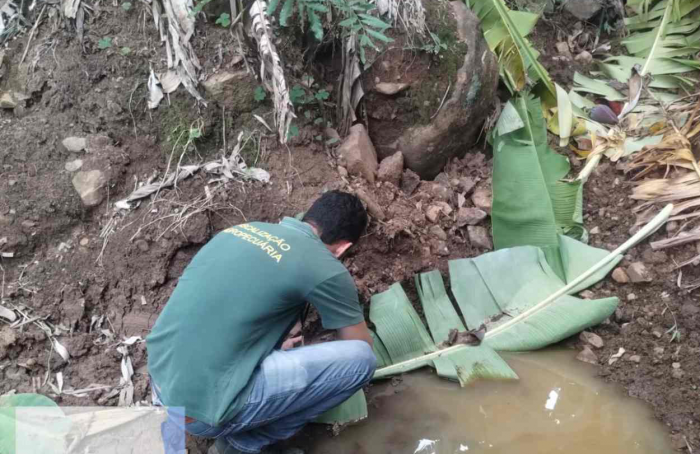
[(290, 389)]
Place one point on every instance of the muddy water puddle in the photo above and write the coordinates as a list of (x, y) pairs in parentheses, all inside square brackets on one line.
[(558, 405)]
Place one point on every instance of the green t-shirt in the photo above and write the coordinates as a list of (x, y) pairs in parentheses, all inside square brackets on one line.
[(233, 305)]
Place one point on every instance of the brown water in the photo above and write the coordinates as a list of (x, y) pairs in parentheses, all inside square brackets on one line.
[(558, 405)]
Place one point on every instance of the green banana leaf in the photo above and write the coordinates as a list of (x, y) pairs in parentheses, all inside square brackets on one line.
[(505, 32), (532, 204)]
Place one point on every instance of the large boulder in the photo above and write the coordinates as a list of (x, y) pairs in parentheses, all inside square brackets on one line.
[(359, 154), (442, 112)]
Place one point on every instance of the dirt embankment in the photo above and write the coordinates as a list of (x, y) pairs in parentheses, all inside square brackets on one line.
[(85, 270)]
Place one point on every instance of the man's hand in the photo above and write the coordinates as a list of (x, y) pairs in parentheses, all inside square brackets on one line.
[(293, 342), (356, 332)]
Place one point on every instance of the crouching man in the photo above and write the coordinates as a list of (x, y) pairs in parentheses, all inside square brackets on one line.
[(215, 349)]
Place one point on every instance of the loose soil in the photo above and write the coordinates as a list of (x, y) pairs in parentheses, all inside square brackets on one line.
[(87, 270)]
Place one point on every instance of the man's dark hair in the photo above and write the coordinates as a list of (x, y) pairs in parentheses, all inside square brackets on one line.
[(338, 216)]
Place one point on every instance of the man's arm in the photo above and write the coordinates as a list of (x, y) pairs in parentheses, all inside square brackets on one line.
[(356, 332)]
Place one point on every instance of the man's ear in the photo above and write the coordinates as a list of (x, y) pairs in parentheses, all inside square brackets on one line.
[(339, 247)]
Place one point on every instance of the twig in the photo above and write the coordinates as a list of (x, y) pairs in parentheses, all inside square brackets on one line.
[(31, 35), (133, 120), (449, 85)]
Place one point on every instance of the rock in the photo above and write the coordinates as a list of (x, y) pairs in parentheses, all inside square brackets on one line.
[(84, 241), (7, 101), (8, 336), (482, 199), (677, 373), (469, 216), (433, 213), (466, 185), (331, 133), (583, 9), (438, 232), (428, 147), (595, 230), (690, 310), (31, 362), (89, 186), (631, 297), (592, 339), (73, 166), (342, 171), (28, 224), (391, 169), (438, 191), (638, 272), (235, 90), (584, 57), (656, 333), (563, 49), (635, 358), (587, 356), (479, 236), (440, 248), (372, 206), (359, 153), (390, 89), (659, 351), (11, 182), (620, 276), (74, 144), (409, 182), (587, 295), (671, 226), (142, 245)]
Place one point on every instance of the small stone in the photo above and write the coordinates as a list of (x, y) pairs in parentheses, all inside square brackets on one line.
[(391, 169), (84, 241), (12, 182), (331, 134), (438, 232), (592, 339), (658, 351), (677, 373), (28, 224), (438, 191), (74, 144), (469, 216), (638, 273), (671, 226), (7, 101), (409, 182), (390, 89), (583, 9), (359, 153), (482, 199), (620, 276), (631, 297), (466, 185), (89, 186), (584, 57), (656, 333), (73, 166), (342, 171), (587, 295), (31, 362), (676, 365), (142, 245), (441, 249), (635, 358), (595, 230), (563, 49), (479, 236), (433, 213), (587, 356)]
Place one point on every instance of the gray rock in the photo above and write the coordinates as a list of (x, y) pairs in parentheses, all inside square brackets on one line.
[(595, 230), (479, 236), (592, 339), (638, 273), (584, 57), (342, 171), (391, 169), (7, 101), (671, 226), (466, 185), (587, 295), (390, 89), (74, 165), (89, 186), (587, 356), (409, 182), (583, 9), (427, 148), (635, 358), (359, 154), (438, 191), (482, 199), (235, 90), (620, 276), (631, 297), (440, 248), (142, 245), (470, 216), (433, 213), (74, 144), (438, 232)]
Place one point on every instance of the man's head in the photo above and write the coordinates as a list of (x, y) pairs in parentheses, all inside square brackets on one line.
[(339, 219)]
